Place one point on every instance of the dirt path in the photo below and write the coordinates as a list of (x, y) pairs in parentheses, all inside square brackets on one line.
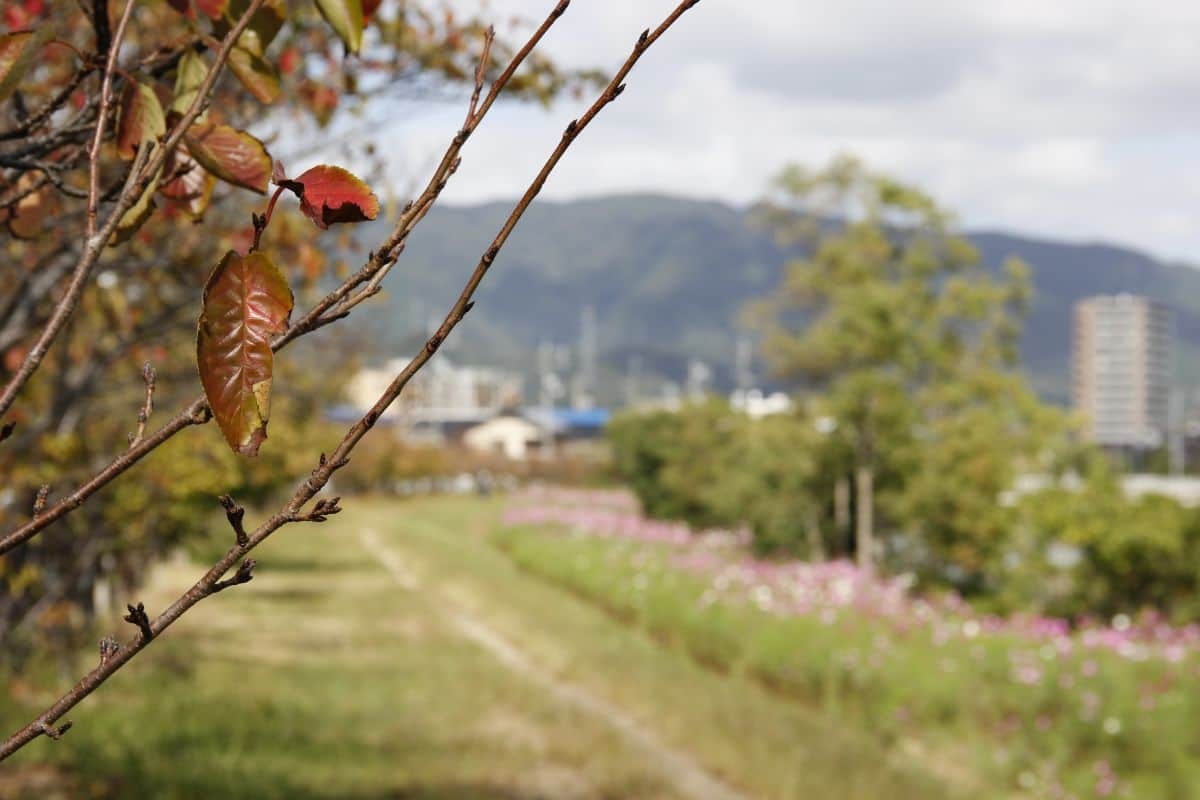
[(684, 775)]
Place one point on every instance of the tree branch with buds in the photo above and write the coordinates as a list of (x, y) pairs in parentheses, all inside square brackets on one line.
[(337, 303)]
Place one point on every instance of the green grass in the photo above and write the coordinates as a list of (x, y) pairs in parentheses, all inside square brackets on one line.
[(324, 678), (954, 707)]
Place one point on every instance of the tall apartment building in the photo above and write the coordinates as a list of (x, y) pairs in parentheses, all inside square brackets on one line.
[(1122, 371)]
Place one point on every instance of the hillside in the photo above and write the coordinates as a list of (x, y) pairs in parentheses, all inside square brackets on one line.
[(668, 278)]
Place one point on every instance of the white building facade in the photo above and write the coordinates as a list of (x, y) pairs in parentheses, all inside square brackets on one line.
[(1122, 369)]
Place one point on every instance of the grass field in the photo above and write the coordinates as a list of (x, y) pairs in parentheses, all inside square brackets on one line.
[(394, 652), (1020, 707)]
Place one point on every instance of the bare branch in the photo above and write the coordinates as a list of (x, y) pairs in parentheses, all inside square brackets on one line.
[(488, 38), (385, 256), (137, 616), (39, 502), (106, 103), (320, 315), (321, 511), (197, 413), (108, 648), (135, 185), (38, 117), (234, 513), (148, 375), (244, 574), (290, 512), (101, 26), (56, 733)]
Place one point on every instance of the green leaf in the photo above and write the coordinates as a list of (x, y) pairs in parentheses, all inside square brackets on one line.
[(137, 214), (233, 156), (346, 19), (141, 119), (329, 195), (17, 50), (188, 77), (246, 301), (255, 73), (263, 27)]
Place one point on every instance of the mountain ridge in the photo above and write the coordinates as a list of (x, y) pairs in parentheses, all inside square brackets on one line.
[(668, 277)]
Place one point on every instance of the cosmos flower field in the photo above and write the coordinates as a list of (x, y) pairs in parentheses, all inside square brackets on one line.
[(1022, 705)]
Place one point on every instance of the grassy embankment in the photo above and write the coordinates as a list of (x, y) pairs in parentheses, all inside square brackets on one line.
[(326, 678), (1002, 714)]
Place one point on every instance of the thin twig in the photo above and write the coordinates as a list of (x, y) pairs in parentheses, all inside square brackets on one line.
[(39, 501), (480, 69), (134, 187), (106, 103), (416, 210), (32, 122), (195, 413), (379, 261), (148, 375), (244, 574), (235, 514), (320, 476)]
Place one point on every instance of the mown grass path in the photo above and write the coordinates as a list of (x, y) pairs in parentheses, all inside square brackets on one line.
[(394, 653), (676, 768)]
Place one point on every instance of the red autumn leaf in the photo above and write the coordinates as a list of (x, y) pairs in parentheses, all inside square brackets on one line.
[(14, 356), (233, 156), (246, 301), (214, 8), (141, 119), (27, 218), (15, 17), (191, 187), (312, 262), (321, 99), (289, 59), (329, 195)]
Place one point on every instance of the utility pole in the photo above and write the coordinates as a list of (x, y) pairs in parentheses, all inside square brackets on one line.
[(1176, 449)]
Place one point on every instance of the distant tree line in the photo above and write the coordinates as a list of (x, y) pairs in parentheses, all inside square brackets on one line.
[(912, 424)]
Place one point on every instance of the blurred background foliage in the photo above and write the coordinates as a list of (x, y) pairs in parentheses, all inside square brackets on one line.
[(74, 417), (900, 348)]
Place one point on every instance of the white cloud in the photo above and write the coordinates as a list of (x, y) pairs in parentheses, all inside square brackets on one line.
[(1075, 118)]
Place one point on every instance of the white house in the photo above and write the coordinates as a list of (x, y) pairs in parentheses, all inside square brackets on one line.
[(509, 435)]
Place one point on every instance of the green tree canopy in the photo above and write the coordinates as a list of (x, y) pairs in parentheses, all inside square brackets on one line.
[(907, 342)]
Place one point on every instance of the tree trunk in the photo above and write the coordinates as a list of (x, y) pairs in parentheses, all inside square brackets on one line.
[(864, 483), (841, 512), (812, 528)]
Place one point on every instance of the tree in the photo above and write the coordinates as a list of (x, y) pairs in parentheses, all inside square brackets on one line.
[(711, 466), (907, 344), (114, 135), (1126, 553), (135, 307)]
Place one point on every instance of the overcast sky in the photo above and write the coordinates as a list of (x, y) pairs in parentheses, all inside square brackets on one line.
[(1076, 119)]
